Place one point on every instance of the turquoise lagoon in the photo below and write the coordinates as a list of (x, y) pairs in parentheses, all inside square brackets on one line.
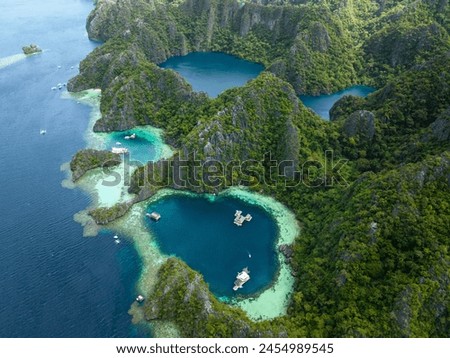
[(322, 104), (201, 232), (148, 145), (213, 72)]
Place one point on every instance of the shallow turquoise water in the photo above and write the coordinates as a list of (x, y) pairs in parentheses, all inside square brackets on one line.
[(141, 149), (202, 233), (213, 72), (322, 104)]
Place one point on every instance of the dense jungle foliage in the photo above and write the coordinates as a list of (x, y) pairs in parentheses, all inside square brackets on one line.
[(372, 258)]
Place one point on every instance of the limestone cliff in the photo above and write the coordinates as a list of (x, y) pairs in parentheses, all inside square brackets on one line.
[(279, 35)]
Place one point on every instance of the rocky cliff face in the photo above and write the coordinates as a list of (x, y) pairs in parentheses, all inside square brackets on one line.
[(406, 34), (399, 46), (440, 128), (267, 32), (252, 120), (147, 96), (361, 124), (262, 120)]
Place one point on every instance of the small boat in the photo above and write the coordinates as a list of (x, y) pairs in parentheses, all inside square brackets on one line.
[(154, 216), (119, 150), (241, 278), (128, 137), (43, 131), (140, 298), (118, 143), (116, 237), (54, 88), (117, 241), (59, 67)]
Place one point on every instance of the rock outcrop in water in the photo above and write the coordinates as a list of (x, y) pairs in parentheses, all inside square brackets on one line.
[(88, 159), (106, 215), (31, 49)]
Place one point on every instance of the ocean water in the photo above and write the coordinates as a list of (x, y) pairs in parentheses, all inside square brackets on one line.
[(213, 72), (201, 232), (322, 104), (53, 281)]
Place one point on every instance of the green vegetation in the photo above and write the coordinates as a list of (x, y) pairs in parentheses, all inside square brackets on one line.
[(372, 259), (88, 159), (201, 314), (103, 216), (31, 49)]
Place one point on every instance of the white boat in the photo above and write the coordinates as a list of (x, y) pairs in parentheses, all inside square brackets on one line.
[(128, 137), (54, 88), (43, 131), (116, 237), (117, 241), (117, 150), (154, 216), (118, 143), (241, 278)]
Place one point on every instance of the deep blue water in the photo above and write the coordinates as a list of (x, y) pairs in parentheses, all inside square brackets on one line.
[(213, 72), (53, 282), (202, 233), (322, 104)]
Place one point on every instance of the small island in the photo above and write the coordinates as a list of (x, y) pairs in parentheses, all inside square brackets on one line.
[(88, 159), (31, 49), (104, 215)]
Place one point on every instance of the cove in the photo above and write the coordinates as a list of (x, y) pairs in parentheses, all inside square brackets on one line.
[(322, 104), (145, 147), (201, 232), (213, 72), (148, 145)]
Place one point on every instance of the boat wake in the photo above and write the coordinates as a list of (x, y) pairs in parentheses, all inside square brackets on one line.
[(10, 60)]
